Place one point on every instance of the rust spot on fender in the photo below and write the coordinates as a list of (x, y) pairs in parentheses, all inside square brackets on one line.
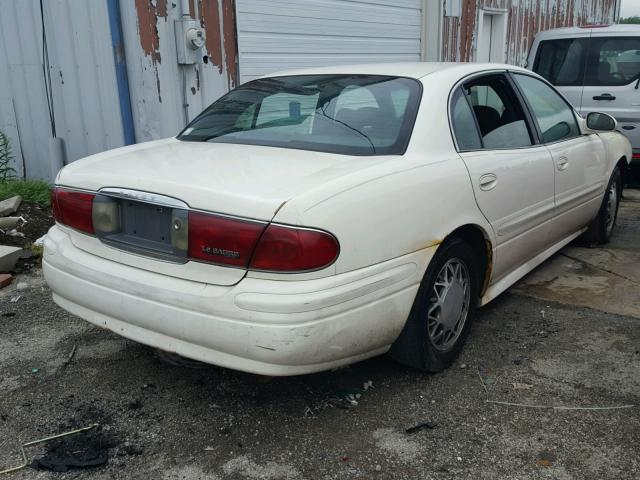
[(489, 269)]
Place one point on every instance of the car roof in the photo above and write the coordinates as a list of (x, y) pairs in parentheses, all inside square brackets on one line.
[(406, 69), (586, 30)]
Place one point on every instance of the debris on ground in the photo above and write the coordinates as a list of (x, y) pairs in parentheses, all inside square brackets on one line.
[(7, 223), (10, 205), (76, 451), (9, 256), (35, 221), (22, 285), (15, 298), (422, 426), (367, 385), (5, 279), (521, 386)]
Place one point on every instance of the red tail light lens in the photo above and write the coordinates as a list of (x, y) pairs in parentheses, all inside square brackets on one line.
[(635, 156), (73, 209), (223, 240), (288, 249)]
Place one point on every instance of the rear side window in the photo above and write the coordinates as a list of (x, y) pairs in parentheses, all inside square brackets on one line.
[(464, 125), (553, 115), (613, 61), (562, 62), (498, 113)]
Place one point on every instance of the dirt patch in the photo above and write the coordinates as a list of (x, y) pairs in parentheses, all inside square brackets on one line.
[(38, 220)]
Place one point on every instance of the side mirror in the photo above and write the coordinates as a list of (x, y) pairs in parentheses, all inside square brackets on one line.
[(601, 121)]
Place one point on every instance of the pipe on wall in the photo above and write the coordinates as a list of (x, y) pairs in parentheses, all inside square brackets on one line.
[(115, 25)]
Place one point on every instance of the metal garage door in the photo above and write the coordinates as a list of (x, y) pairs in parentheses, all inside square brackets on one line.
[(285, 34)]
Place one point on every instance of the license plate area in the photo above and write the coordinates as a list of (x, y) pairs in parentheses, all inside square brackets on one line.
[(140, 227)]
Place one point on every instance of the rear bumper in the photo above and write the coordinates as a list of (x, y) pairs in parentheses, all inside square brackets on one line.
[(261, 326)]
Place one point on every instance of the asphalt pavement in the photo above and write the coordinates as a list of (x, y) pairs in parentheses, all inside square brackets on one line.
[(548, 387)]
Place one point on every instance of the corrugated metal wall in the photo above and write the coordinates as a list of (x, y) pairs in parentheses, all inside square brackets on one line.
[(526, 18), (83, 78), (82, 74), (287, 34), (157, 81)]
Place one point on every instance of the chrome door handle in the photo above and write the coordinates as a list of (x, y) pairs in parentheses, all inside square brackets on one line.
[(488, 181), (563, 163)]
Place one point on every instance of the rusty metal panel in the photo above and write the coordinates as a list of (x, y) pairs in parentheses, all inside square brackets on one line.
[(525, 19), (165, 95), (83, 83)]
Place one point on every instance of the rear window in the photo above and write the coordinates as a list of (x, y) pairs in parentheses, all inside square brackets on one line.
[(561, 62), (346, 114)]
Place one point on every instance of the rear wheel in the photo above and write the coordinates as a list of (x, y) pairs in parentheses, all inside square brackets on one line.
[(601, 227), (441, 316)]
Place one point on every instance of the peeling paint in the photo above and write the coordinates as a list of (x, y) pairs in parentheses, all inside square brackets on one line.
[(210, 18), (148, 13), (230, 41), (525, 19)]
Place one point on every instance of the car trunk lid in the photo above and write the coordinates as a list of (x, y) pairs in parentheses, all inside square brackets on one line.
[(156, 182)]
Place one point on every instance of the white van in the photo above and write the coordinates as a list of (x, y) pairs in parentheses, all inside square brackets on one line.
[(597, 68)]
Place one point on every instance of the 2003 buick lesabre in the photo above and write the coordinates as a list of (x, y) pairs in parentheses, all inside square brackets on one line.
[(317, 218)]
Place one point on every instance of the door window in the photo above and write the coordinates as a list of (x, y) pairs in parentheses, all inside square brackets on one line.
[(552, 113), (613, 61), (498, 112), (562, 61)]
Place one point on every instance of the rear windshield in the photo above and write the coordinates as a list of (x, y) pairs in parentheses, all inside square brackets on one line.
[(346, 114)]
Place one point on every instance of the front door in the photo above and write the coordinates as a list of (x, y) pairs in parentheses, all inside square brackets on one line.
[(579, 160), (512, 178), (612, 79)]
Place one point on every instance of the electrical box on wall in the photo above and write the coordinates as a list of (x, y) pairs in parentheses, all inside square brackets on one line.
[(189, 41)]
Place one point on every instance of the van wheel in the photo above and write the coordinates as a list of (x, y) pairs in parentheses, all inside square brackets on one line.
[(601, 227), (441, 315)]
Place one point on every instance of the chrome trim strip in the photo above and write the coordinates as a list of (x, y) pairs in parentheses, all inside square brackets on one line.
[(141, 196)]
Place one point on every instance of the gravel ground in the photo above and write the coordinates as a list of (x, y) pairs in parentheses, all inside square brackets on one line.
[(169, 422)]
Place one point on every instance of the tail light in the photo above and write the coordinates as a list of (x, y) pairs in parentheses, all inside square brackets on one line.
[(73, 209), (635, 156), (289, 249), (223, 240), (254, 245)]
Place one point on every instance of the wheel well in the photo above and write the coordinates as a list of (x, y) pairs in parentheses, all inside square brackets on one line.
[(481, 245), (624, 169)]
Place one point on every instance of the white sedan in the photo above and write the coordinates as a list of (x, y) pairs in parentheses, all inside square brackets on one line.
[(316, 218)]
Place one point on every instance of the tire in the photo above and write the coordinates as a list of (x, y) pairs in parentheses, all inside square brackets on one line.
[(601, 228), (419, 345)]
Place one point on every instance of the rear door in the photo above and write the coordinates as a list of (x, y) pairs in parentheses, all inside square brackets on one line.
[(512, 176), (611, 81), (562, 62)]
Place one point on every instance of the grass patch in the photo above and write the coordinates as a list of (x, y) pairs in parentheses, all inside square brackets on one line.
[(35, 191)]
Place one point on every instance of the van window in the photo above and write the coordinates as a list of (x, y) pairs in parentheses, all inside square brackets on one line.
[(561, 62), (613, 61)]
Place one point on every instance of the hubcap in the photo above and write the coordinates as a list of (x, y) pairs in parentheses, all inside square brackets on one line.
[(612, 206), (449, 305)]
